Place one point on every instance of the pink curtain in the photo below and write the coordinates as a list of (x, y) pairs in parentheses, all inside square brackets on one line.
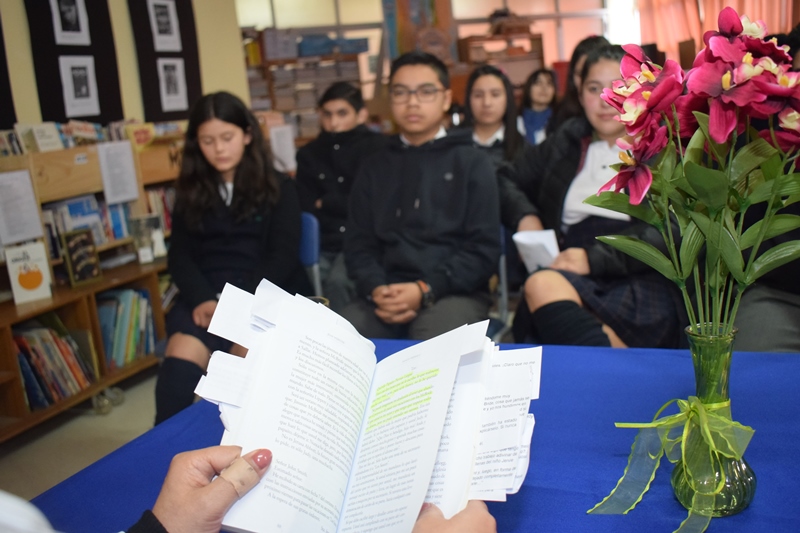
[(777, 14), (669, 22)]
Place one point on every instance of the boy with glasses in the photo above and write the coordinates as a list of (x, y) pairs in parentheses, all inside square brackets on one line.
[(423, 229)]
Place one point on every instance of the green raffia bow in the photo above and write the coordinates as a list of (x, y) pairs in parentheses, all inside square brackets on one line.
[(718, 436)]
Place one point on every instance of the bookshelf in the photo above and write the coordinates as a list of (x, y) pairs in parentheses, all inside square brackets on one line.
[(61, 175)]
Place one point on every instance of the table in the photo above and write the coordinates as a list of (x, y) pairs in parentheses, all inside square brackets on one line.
[(577, 454)]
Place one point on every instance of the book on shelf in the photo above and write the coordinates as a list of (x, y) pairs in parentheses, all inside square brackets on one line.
[(148, 237), (35, 395), (78, 213), (55, 361), (126, 325), (47, 137), (84, 132), (161, 201), (146, 134), (24, 134), (358, 444), (84, 351)]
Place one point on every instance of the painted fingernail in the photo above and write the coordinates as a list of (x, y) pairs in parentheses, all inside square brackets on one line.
[(262, 459)]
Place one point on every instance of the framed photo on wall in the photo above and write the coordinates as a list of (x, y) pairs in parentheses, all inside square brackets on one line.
[(172, 83), (80, 256), (79, 85), (70, 22), (164, 23)]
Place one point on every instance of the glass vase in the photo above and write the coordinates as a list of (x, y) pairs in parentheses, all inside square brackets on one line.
[(711, 356)]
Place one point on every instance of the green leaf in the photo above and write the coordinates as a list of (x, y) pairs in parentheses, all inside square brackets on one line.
[(667, 160), (691, 244), (695, 149), (772, 167), (778, 225), (720, 243), (748, 159), (719, 150), (710, 185), (786, 185), (644, 252), (621, 203), (772, 259)]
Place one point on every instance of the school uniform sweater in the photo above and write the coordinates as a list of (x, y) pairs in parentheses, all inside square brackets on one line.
[(241, 253), (427, 212), (326, 168)]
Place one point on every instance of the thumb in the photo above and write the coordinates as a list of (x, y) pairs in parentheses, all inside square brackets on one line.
[(242, 475), (429, 511)]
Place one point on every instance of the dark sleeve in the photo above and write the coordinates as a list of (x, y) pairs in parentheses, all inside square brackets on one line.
[(282, 239), (469, 269), (306, 181), (607, 262), (193, 285), (148, 523), (362, 249), (514, 182)]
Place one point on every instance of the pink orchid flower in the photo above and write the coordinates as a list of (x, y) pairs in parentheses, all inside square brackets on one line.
[(635, 175)]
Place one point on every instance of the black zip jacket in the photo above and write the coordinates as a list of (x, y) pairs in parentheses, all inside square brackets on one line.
[(427, 212), (326, 169)]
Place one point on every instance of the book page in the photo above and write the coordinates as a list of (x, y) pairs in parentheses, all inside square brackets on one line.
[(19, 212), (452, 472), (305, 403), (401, 432), (118, 172)]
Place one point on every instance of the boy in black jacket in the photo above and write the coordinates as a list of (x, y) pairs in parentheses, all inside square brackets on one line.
[(423, 233), (326, 168)]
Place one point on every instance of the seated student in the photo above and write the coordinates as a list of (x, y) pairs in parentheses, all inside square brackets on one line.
[(422, 239), (491, 114), (768, 318), (538, 102), (570, 104), (201, 486), (235, 221), (591, 294), (326, 168)]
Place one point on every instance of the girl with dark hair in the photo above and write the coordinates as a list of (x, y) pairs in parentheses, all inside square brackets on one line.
[(235, 221), (491, 114), (570, 104), (538, 101), (592, 294)]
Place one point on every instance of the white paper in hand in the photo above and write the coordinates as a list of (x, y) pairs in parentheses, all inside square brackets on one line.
[(538, 249)]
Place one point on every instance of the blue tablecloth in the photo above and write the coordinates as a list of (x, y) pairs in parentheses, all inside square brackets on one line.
[(577, 455)]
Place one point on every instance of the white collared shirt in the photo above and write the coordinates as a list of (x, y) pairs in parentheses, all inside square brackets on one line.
[(498, 135), (595, 173)]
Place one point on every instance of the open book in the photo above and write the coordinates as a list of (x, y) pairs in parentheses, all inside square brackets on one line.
[(357, 444)]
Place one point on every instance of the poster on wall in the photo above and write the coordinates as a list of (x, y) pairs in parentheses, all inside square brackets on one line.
[(70, 22), (164, 23), (79, 85), (172, 82)]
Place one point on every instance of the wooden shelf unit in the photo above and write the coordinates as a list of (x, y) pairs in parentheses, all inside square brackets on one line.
[(57, 176)]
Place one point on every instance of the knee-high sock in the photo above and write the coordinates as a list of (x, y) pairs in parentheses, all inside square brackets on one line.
[(177, 379), (567, 322)]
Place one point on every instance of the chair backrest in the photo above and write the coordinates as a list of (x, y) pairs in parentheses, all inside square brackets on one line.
[(309, 240)]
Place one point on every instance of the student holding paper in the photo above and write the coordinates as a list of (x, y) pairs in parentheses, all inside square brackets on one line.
[(591, 294), (423, 231), (236, 220)]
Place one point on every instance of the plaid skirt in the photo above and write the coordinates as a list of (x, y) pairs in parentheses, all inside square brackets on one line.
[(645, 310)]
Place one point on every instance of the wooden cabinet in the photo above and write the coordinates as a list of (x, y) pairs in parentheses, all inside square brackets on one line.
[(56, 176), (518, 55)]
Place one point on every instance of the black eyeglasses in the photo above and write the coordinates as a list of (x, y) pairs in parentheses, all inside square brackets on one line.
[(425, 93)]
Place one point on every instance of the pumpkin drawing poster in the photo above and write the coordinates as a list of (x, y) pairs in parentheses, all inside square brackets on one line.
[(28, 271)]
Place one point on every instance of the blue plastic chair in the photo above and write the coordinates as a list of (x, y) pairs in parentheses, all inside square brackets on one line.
[(309, 250), (500, 325)]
